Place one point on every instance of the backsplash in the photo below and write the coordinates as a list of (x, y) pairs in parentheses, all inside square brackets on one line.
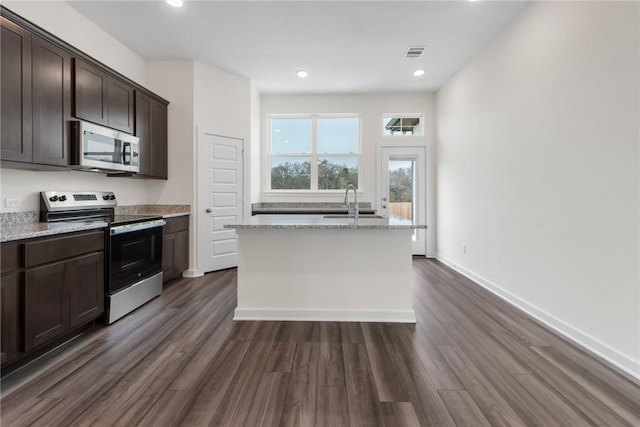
[(10, 219), (152, 209)]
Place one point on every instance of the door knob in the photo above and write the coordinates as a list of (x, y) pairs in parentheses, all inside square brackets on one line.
[(384, 199), (384, 206), (208, 210)]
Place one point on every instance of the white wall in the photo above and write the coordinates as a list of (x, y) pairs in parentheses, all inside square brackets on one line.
[(222, 101), (538, 170), (201, 97), (174, 81), (63, 21), (255, 144), (371, 107)]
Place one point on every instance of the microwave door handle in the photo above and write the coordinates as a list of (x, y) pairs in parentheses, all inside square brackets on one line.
[(126, 153)]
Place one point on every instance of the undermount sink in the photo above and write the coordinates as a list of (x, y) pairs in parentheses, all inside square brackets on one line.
[(363, 216)]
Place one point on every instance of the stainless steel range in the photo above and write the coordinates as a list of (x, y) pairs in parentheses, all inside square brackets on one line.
[(134, 246)]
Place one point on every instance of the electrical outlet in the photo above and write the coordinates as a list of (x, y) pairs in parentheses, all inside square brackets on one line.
[(464, 248), (12, 203)]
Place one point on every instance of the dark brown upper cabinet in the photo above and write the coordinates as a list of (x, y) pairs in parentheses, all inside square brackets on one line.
[(151, 128), (15, 87), (120, 104), (91, 91), (51, 103), (102, 98), (36, 97), (46, 83)]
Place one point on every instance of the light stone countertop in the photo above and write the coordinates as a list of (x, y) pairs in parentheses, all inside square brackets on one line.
[(39, 229), (25, 225), (321, 222), (165, 211)]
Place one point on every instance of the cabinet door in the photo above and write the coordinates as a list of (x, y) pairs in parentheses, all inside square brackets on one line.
[(15, 96), (51, 103), (168, 256), (120, 105), (46, 304), (85, 279), (91, 88), (9, 316), (151, 128), (143, 131), (181, 257), (159, 167)]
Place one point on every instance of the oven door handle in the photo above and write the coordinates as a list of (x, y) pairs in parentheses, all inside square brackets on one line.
[(130, 228)]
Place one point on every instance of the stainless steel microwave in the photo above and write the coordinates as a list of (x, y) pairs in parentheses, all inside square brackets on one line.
[(101, 148)]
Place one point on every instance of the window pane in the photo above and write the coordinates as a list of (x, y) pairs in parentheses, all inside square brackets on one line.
[(401, 125), (290, 173), (339, 135), (401, 188), (291, 135), (336, 172)]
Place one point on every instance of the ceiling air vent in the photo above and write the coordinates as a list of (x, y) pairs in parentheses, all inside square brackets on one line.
[(414, 52)]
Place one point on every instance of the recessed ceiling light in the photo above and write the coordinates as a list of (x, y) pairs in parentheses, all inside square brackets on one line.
[(418, 72), (175, 3), (302, 74)]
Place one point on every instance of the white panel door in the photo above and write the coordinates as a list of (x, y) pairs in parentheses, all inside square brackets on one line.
[(220, 200), (403, 189)]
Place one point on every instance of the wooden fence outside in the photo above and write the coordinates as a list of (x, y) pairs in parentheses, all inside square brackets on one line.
[(401, 209)]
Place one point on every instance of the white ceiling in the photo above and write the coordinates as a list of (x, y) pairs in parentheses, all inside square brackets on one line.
[(346, 46)]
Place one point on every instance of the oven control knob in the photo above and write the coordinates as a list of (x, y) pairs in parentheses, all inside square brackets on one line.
[(62, 198), (53, 198), (105, 197), (112, 197)]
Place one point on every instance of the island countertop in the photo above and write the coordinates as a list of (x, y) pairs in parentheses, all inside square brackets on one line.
[(322, 222)]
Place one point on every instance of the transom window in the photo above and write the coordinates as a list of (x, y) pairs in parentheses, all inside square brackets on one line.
[(315, 152), (402, 124)]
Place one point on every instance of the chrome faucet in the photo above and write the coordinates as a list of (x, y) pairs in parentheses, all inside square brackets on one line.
[(356, 209)]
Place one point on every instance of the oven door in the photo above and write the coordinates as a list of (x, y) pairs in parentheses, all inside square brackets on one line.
[(135, 252)]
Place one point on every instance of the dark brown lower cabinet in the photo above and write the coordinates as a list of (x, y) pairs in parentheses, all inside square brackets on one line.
[(175, 247), (10, 317), (85, 278), (51, 287), (61, 296), (46, 304)]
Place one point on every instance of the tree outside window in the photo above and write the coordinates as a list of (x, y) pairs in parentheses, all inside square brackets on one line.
[(327, 159)]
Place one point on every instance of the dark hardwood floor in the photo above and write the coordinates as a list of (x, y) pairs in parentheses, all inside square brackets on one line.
[(471, 360)]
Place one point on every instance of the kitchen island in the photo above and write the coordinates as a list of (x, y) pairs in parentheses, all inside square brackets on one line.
[(314, 268)]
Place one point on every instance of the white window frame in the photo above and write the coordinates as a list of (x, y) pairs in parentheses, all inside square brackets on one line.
[(315, 155), (420, 126)]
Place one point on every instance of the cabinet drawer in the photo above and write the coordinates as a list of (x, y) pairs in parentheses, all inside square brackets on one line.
[(9, 257), (58, 248), (176, 224)]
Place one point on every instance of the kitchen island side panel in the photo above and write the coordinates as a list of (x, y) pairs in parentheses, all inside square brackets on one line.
[(325, 274)]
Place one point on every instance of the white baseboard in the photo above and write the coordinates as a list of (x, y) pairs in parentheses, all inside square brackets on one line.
[(603, 351), (404, 316), (192, 273)]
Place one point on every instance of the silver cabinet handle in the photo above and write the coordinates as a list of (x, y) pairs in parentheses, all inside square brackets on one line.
[(208, 210)]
